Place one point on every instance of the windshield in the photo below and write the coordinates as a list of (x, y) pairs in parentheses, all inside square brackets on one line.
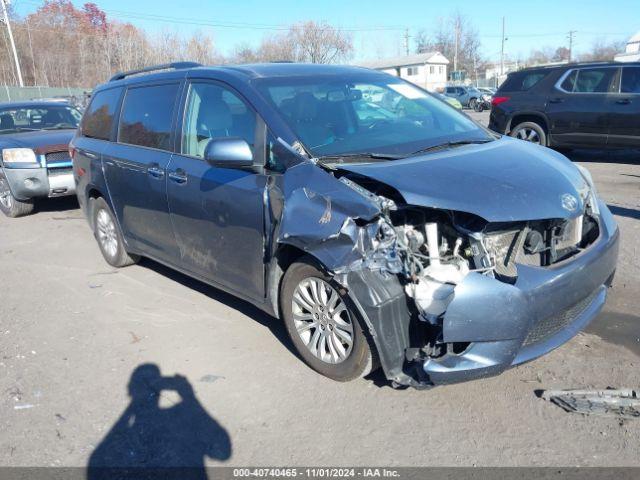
[(40, 117), (353, 114)]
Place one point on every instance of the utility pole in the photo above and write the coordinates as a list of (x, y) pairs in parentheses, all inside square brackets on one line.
[(570, 37), (406, 41), (455, 51), (502, 51), (13, 43)]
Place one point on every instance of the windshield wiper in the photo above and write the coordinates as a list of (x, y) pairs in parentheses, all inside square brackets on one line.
[(442, 146), (19, 129), (339, 158), (66, 126)]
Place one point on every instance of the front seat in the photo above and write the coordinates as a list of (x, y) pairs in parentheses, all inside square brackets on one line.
[(6, 122), (214, 120), (306, 116)]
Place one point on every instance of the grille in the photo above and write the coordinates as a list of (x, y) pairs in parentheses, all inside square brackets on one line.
[(551, 325), (57, 157)]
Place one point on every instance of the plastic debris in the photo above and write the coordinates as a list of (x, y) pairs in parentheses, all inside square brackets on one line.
[(615, 403)]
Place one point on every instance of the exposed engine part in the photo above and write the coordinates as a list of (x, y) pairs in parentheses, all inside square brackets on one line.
[(432, 286)]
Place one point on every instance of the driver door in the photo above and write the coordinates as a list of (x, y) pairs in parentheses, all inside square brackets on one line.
[(218, 213)]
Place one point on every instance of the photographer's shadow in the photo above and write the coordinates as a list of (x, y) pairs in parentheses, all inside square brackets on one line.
[(148, 438)]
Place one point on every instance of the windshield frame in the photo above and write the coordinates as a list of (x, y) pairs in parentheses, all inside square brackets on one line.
[(476, 133), (26, 107)]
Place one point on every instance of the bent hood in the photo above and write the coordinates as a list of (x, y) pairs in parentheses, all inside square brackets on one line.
[(42, 141), (503, 180)]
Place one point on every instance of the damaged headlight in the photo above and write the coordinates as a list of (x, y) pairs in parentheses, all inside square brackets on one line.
[(592, 197)]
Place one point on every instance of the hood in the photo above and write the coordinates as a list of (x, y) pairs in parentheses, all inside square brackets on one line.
[(42, 141), (504, 180)]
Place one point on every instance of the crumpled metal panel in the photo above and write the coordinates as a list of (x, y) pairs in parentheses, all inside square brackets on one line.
[(485, 309), (615, 403), (319, 215), (501, 181)]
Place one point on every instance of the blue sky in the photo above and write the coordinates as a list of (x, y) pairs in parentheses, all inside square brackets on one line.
[(377, 26)]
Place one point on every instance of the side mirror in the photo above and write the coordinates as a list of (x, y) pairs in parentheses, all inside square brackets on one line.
[(228, 152)]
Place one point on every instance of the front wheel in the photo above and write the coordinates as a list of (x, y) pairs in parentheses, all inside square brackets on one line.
[(473, 103), (9, 205), (109, 237), (530, 132), (323, 324)]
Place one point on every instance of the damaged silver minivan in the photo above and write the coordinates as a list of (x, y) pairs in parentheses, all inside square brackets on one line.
[(381, 225)]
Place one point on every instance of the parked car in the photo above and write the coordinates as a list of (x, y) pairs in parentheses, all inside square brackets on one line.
[(35, 161), (420, 241), (576, 105), (466, 95), (487, 90), (450, 100)]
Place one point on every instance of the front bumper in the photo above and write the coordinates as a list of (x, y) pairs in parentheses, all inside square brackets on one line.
[(504, 325), (27, 183)]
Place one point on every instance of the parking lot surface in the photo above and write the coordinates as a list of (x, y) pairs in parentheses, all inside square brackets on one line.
[(81, 342)]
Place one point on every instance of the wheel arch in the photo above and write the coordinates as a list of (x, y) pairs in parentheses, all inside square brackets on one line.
[(525, 116)]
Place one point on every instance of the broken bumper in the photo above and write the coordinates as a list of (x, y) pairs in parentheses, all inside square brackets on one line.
[(504, 325), (27, 183)]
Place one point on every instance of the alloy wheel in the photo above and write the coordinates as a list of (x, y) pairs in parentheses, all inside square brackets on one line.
[(106, 230), (529, 135), (322, 320), (5, 194)]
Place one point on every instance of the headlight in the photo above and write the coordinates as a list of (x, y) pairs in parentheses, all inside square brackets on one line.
[(593, 194), (19, 157)]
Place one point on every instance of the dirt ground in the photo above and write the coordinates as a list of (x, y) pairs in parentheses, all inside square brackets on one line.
[(73, 331)]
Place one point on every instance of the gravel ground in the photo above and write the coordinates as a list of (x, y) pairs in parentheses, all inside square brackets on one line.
[(73, 331)]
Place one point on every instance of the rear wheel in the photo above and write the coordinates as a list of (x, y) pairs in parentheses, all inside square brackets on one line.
[(530, 132), (9, 205), (109, 236), (323, 324), (473, 103)]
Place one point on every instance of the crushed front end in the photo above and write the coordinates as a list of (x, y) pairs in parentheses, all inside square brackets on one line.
[(449, 297)]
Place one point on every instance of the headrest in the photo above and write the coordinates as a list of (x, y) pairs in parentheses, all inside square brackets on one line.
[(305, 106), (6, 121)]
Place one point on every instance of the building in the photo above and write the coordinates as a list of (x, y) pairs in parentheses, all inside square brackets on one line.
[(632, 50), (427, 70)]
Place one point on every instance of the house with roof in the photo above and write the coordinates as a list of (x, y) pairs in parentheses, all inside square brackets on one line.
[(427, 70), (632, 50)]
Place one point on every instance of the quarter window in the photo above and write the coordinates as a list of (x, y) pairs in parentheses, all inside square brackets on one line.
[(589, 80), (213, 111), (146, 116), (630, 80), (98, 119)]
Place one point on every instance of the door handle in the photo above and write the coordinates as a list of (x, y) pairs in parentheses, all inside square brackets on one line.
[(624, 101), (556, 100), (179, 176), (155, 171)]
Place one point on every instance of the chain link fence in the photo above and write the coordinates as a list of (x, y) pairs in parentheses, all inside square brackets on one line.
[(76, 96)]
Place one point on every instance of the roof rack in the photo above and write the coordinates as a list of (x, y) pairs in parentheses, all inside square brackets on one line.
[(165, 66)]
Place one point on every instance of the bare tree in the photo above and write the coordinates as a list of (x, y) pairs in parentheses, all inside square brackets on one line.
[(445, 34), (602, 50)]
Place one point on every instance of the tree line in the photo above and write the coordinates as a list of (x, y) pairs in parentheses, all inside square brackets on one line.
[(61, 45)]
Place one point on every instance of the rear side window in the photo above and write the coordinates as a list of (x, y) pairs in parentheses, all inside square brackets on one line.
[(98, 119), (522, 81), (630, 80), (146, 116), (589, 80)]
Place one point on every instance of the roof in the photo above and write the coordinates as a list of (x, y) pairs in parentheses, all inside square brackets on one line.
[(280, 69), (569, 65), (416, 59), (635, 38)]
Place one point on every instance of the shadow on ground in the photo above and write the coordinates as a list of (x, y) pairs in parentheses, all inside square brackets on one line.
[(150, 440), (628, 157), (273, 324)]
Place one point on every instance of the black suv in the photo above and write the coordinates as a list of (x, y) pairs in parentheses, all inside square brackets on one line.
[(592, 105)]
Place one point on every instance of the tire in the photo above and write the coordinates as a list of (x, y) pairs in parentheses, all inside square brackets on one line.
[(472, 103), (530, 132), (358, 357), (9, 205), (108, 235), (478, 107)]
